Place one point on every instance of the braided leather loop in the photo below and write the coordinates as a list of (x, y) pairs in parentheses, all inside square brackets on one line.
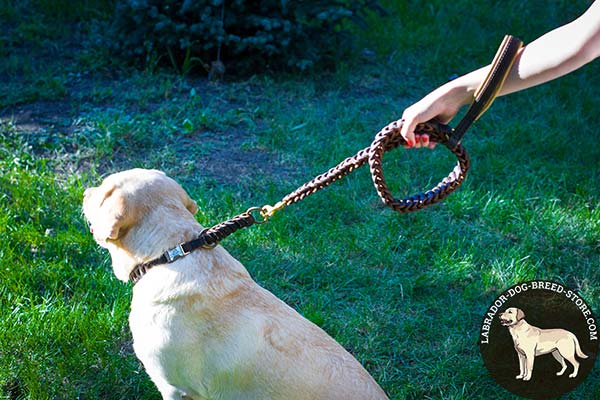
[(387, 139)]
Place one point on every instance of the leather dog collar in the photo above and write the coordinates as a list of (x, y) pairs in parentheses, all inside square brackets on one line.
[(207, 239)]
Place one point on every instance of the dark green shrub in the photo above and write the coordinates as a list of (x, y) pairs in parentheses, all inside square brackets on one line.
[(247, 35)]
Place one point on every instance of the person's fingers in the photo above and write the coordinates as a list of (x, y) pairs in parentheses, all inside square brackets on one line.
[(421, 141), (418, 141), (408, 131)]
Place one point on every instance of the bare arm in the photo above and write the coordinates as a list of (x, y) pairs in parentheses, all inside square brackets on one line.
[(554, 54)]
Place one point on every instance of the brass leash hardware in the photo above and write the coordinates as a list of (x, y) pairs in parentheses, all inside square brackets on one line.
[(268, 211), (265, 212), (257, 215)]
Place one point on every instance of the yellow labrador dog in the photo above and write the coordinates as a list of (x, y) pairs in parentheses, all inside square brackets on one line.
[(531, 341), (201, 326)]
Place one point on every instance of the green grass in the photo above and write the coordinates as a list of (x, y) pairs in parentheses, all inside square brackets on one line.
[(404, 293)]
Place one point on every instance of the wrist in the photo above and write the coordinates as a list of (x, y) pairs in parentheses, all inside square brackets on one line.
[(461, 91), (452, 96)]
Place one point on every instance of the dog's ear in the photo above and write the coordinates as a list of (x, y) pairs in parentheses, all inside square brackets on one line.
[(520, 314), (112, 210), (191, 205)]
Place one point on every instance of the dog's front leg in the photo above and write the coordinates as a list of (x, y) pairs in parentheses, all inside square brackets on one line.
[(522, 365), (169, 392), (529, 359)]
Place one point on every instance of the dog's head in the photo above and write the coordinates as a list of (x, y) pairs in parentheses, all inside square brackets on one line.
[(125, 198), (135, 205), (511, 316)]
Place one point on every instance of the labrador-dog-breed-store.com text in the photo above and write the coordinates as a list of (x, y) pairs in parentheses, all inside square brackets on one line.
[(201, 326)]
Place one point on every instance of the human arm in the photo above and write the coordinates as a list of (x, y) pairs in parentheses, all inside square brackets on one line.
[(554, 54)]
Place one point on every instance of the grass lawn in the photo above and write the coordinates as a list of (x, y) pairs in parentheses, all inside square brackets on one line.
[(406, 294)]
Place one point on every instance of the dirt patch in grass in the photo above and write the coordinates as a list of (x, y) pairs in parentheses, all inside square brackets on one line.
[(40, 115), (227, 154), (227, 161)]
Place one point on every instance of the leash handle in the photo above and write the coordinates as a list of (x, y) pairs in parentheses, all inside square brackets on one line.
[(440, 133), (389, 138), (487, 92)]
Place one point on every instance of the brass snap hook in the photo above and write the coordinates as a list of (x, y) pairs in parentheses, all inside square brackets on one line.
[(268, 211), (262, 214)]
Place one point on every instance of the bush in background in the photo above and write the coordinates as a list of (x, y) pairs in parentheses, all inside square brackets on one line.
[(248, 36)]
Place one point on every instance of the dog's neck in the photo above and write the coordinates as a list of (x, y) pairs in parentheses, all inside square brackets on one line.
[(152, 236), (519, 327)]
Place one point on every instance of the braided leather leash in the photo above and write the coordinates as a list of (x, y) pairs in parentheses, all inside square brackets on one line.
[(390, 138), (387, 139)]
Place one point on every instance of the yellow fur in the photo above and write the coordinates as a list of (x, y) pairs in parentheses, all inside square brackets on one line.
[(202, 327)]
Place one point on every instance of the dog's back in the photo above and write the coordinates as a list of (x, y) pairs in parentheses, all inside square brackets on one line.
[(243, 343)]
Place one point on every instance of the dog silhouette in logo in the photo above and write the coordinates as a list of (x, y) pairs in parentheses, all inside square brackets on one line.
[(531, 341)]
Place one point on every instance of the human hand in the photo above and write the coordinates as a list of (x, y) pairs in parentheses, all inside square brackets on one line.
[(441, 105)]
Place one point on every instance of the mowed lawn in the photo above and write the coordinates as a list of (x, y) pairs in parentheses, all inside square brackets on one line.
[(406, 294)]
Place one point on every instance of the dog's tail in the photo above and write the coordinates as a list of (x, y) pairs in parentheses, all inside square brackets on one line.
[(578, 351)]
